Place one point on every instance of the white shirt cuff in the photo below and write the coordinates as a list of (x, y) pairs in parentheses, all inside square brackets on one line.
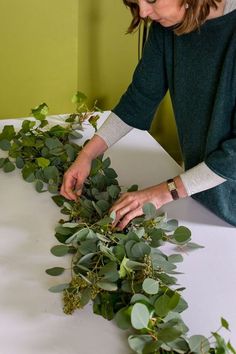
[(200, 178), (113, 129)]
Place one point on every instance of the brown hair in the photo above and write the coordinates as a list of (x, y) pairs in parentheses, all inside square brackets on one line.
[(196, 13)]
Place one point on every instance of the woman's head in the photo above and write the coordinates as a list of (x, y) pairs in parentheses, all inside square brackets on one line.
[(185, 15)]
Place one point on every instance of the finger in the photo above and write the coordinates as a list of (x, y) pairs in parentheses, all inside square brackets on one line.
[(121, 199), (78, 188), (122, 202), (70, 195), (120, 213), (67, 187), (128, 217)]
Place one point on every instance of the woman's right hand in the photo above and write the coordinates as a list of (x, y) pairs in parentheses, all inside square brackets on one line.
[(75, 177), (77, 173)]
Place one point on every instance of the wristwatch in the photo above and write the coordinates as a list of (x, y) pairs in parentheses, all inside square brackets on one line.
[(172, 188)]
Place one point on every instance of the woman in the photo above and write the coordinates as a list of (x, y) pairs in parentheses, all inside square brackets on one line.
[(190, 51)]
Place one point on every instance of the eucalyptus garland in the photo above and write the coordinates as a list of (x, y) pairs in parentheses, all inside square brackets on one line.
[(124, 273)]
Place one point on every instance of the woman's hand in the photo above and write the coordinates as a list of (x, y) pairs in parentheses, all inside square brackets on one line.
[(130, 204), (75, 177), (77, 173)]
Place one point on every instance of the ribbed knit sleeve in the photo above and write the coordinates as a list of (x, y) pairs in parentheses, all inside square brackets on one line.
[(149, 85)]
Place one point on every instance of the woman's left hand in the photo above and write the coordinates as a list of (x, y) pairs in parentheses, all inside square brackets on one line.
[(130, 204)]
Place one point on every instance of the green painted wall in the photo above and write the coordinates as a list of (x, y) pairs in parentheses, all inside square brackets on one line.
[(38, 61), (107, 56)]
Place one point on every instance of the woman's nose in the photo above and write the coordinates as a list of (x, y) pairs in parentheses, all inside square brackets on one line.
[(145, 9)]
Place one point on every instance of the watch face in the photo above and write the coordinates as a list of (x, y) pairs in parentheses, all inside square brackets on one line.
[(171, 186)]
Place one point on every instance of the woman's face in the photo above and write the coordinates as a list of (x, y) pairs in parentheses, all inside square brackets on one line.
[(167, 12)]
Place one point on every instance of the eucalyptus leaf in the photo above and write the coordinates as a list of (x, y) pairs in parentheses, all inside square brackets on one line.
[(169, 334), (199, 344), (119, 252), (133, 188), (162, 305), (109, 272), (28, 173), (140, 316), (102, 238), (40, 112), (80, 235), (122, 318), (179, 345), (8, 167), (181, 306), (39, 186), (150, 286), (79, 98), (88, 246), (105, 221), (106, 251), (27, 125), (59, 288), (86, 259), (149, 210), (71, 225), (139, 250), (170, 225), (55, 271), (103, 205), (174, 300), (108, 286), (231, 348), (128, 245), (75, 135), (175, 258), (193, 245), (138, 342), (182, 235), (106, 163), (109, 172), (85, 296), (19, 162), (5, 144), (113, 191), (51, 172), (166, 279), (53, 188), (132, 236), (42, 162), (8, 132), (53, 143), (133, 265), (156, 236), (224, 323), (60, 250)]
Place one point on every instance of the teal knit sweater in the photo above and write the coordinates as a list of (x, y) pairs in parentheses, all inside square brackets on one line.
[(199, 70)]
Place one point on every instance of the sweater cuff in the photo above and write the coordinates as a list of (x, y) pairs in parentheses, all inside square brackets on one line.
[(200, 178), (113, 129)]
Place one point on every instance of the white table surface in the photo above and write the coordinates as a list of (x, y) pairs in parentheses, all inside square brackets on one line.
[(31, 318)]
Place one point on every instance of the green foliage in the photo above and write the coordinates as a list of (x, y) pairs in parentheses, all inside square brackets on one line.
[(125, 274), (43, 153)]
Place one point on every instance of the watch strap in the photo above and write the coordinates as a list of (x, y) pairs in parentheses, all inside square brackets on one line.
[(172, 188)]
